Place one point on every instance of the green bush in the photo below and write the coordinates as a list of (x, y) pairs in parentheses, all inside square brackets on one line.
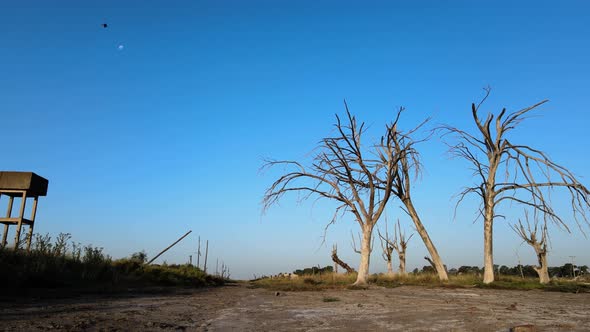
[(55, 264)]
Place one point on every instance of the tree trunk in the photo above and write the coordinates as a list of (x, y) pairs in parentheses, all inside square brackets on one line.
[(440, 268), (337, 261), (363, 274), (389, 267), (542, 268), (488, 221), (402, 263), (488, 247), (543, 274)]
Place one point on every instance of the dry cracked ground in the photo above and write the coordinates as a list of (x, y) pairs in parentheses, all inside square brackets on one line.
[(243, 308)]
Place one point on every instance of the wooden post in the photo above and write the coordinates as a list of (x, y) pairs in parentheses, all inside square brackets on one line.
[(170, 246), (217, 267), (20, 220), (190, 260), (199, 252), (8, 215), (30, 233), (206, 253)]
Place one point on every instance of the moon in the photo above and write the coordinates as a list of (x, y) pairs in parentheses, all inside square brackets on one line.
[(120, 47)]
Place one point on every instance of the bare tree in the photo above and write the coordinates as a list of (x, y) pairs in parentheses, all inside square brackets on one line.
[(337, 261), (360, 179), (402, 145), (399, 243), (400, 246), (512, 172), (537, 241), (387, 247)]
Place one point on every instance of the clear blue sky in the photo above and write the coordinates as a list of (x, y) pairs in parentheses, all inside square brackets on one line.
[(167, 134)]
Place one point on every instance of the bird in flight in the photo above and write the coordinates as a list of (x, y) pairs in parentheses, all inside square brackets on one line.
[(120, 47)]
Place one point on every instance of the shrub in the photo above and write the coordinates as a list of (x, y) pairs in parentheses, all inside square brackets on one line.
[(55, 264)]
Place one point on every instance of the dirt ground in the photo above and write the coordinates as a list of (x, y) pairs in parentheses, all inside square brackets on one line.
[(242, 308)]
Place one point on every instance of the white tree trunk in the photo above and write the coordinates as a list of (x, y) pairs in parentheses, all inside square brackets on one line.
[(543, 274), (363, 271), (488, 222), (440, 268), (402, 263), (390, 267), (488, 247), (542, 268)]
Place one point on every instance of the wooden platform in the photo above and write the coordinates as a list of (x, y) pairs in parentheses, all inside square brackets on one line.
[(20, 185), (14, 183)]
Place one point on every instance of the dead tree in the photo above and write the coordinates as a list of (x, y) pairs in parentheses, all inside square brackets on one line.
[(337, 261), (387, 247), (399, 243), (347, 172), (512, 172), (536, 240), (402, 146)]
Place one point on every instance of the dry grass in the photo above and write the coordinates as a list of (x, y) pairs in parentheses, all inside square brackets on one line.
[(344, 281), (308, 282)]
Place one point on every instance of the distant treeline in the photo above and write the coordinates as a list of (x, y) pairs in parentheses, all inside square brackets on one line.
[(566, 271), (314, 270)]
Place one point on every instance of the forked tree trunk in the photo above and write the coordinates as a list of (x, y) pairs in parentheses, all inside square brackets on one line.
[(440, 268), (542, 268), (363, 274)]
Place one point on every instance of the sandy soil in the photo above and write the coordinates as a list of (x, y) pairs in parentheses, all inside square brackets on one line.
[(241, 308)]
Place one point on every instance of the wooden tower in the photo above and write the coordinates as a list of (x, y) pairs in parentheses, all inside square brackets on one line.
[(24, 185)]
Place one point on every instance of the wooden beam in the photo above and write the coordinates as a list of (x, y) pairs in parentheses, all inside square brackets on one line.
[(15, 221), (170, 246), (20, 222), (33, 214), (8, 214)]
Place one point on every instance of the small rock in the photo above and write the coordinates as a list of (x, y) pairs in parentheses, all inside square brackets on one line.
[(359, 305), (512, 306), (277, 293)]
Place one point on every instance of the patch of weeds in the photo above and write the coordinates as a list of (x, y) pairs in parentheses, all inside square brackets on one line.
[(356, 287), (516, 285), (567, 288), (330, 299)]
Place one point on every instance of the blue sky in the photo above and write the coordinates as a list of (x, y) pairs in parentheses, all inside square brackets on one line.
[(167, 134)]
